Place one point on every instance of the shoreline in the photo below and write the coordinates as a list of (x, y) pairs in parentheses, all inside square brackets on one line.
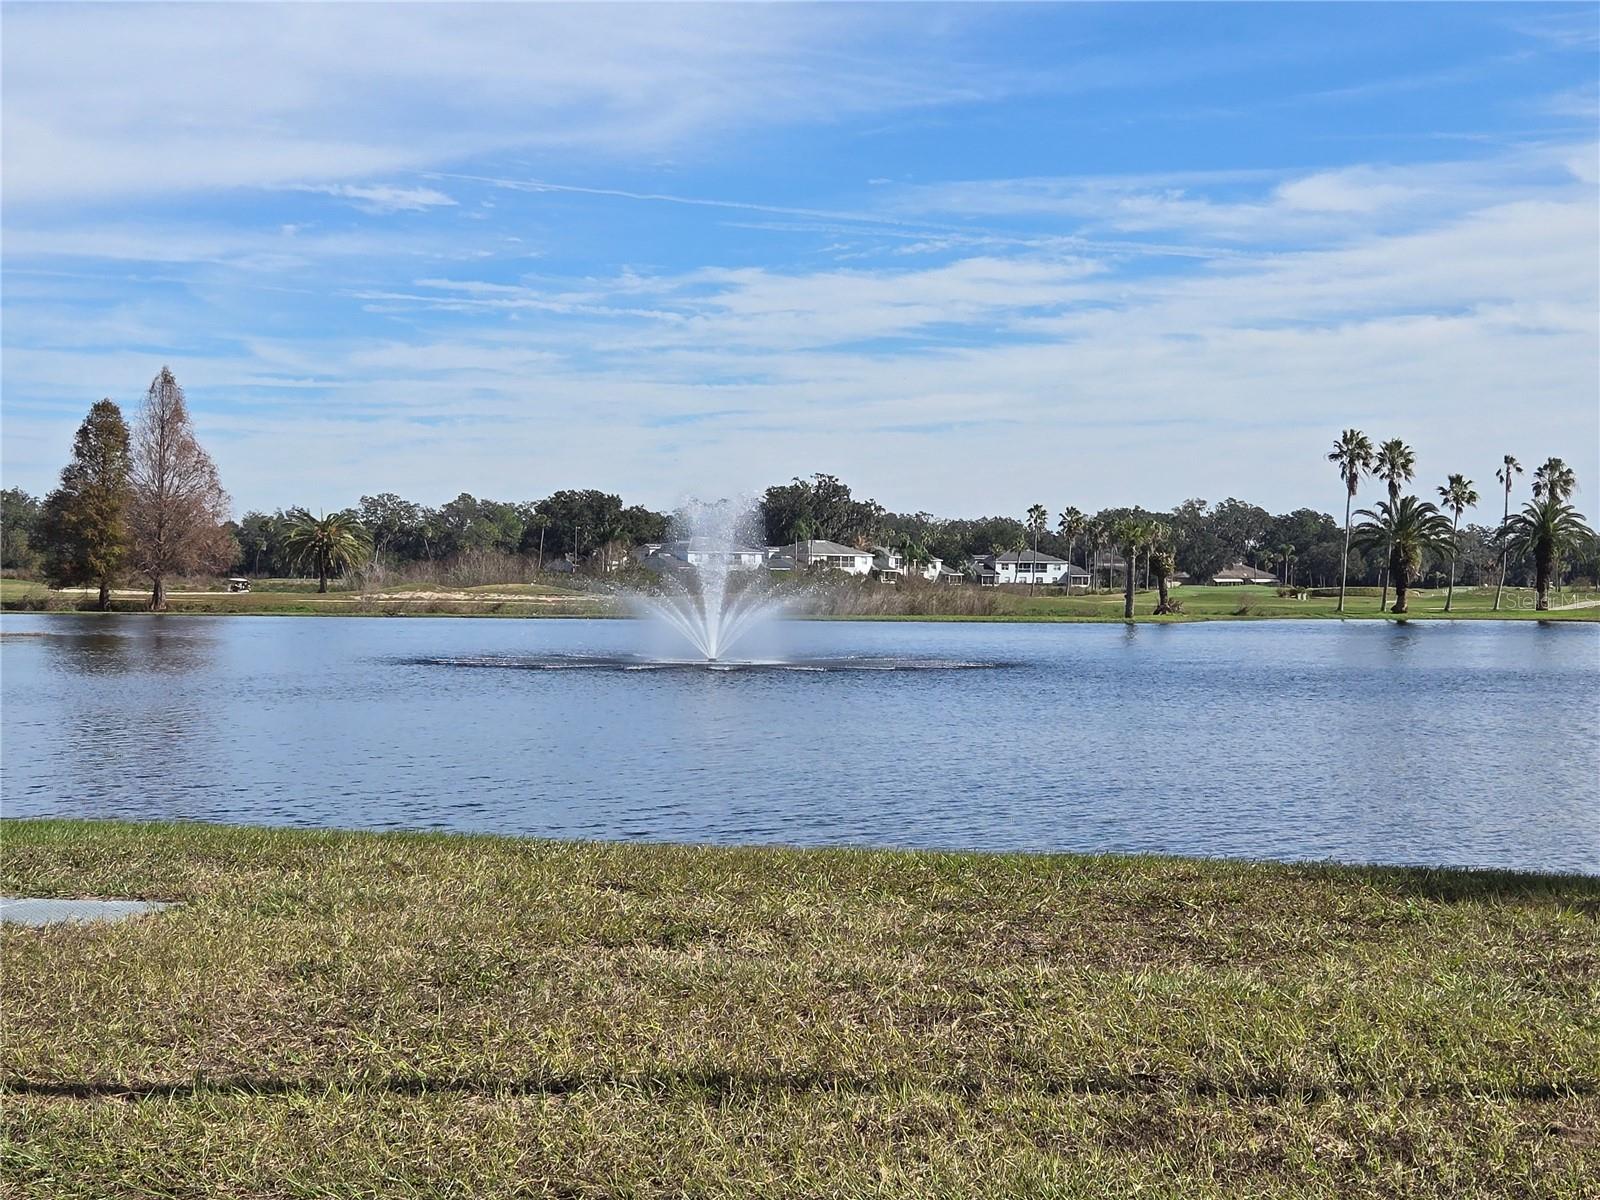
[(994, 606), (366, 1013), (1585, 615), (1463, 873)]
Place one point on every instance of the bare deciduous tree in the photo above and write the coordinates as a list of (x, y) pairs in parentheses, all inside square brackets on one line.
[(178, 503)]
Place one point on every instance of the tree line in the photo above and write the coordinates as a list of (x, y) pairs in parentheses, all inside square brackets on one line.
[(144, 501)]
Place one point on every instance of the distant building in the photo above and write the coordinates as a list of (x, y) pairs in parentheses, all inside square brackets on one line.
[(1240, 574), (698, 552), (821, 555), (891, 564), (1025, 566)]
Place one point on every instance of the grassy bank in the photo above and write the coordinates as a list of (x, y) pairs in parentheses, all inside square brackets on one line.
[(295, 598), (339, 1014)]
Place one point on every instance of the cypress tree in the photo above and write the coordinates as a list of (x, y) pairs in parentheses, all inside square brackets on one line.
[(84, 523)]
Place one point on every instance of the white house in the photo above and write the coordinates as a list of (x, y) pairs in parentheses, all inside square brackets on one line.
[(698, 552), (1027, 566), (821, 555), (889, 563), (1239, 573)]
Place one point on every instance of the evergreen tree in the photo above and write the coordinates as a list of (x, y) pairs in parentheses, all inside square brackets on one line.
[(84, 524)]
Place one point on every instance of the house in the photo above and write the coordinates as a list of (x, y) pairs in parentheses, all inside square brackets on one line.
[(821, 555), (698, 552), (891, 564), (1241, 574), (1026, 566)]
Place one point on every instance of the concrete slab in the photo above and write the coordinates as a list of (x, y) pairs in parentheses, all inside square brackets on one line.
[(23, 910)]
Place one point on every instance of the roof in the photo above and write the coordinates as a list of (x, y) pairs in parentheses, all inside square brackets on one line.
[(1248, 574), (706, 545), (814, 548), (1011, 556)]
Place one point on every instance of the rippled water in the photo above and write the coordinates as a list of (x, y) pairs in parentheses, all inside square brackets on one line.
[(1422, 743)]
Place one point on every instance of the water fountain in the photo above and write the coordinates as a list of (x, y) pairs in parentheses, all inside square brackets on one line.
[(711, 598), (714, 590)]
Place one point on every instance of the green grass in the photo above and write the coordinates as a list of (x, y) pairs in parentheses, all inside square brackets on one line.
[(298, 597), (360, 1015), (1242, 603)]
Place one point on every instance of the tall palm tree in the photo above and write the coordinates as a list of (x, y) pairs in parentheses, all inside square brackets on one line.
[(1353, 455), (1408, 528), (1071, 527), (804, 530), (331, 544), (1554, 478), (1286, 552), (1395, 463), (1510, 468), (1457, 496), (1548, 528), (1094, 537), (1129, 535), (1038, 522)]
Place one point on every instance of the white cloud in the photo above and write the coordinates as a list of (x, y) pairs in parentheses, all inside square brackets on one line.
[(1241, 209), (384, 198)]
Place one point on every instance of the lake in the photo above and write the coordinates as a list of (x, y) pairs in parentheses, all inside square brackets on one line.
[(1437, 743)]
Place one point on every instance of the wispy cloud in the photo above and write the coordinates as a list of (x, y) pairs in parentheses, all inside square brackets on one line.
[(513, 248), (383, 197), (161, 99)]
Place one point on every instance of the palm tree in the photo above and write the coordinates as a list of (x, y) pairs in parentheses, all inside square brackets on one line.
[(1555, 479), (1353, 454), (1408, 528), (1163, 559), (1094, 536), (1548, 528), (1510, 468), (803, 531), (1130, 535), (1457, 496), (1071, 527), (1286, 552), (1395, 463), (1038, 522), (330, 544), (913, 555)]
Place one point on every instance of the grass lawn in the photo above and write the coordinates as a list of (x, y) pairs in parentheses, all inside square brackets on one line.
[(1239, 603), (364, 1015), (298, 597), (294, 597)]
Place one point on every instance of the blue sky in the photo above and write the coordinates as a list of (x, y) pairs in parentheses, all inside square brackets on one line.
[(966, 257)]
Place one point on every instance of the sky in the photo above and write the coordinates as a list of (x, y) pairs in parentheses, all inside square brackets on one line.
[(968, 258)]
